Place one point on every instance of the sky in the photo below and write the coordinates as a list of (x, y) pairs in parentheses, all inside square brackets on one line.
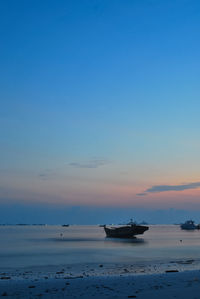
[(100, 106)]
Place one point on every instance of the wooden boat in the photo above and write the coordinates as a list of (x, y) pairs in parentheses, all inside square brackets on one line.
[(126, 231)]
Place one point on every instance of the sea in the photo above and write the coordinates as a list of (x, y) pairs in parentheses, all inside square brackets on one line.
[(35, 245)]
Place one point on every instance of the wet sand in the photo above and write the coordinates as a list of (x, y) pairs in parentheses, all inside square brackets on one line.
[(172, 280)]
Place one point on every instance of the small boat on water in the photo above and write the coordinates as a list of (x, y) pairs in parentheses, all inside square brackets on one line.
[(65, 225), (125, 231), (189, 225)]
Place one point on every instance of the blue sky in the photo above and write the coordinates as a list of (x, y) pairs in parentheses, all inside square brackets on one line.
[(99, 103)]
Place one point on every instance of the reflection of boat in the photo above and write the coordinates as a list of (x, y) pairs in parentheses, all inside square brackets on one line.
[(125, 231), (65, 225), (189, 225)]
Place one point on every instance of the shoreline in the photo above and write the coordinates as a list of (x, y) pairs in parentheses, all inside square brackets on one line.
[(103, 281), (102, 269), (182, 285)]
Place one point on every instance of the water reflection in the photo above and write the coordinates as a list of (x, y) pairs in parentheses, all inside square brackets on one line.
[(64, 239), (133, 241), (106, 240)]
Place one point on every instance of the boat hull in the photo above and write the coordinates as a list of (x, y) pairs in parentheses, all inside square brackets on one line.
[(189, 227), (125, 231)]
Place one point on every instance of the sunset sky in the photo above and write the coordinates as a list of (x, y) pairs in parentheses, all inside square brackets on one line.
[(100, 110)]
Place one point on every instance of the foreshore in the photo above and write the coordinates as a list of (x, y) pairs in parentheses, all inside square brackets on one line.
[(169, 280)]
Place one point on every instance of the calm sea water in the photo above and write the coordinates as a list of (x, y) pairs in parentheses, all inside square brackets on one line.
[(53, 245)]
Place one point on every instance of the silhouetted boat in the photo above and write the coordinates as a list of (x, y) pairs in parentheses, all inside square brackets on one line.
[(126, 231), (189, 225), (65, 225)]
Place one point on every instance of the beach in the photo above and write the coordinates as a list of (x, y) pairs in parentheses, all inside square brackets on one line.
[(49, 283), (79, 262)]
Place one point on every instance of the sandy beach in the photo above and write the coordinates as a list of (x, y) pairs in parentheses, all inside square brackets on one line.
[(101, 281)]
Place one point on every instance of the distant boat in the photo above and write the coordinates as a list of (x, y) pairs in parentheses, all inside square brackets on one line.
[(126, 231), (143, 223), (65, 225), (189, 225)]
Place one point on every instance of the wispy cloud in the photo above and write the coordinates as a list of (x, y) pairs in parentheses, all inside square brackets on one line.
[(141, 194), (165, 188), (94, 163), (46, 174)]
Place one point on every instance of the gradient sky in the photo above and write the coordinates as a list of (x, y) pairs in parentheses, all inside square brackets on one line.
[(100, 107)]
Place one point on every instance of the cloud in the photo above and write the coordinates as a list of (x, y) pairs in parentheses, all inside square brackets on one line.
[(46, 174), (165, 188), (43, 175), (94, 163)]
